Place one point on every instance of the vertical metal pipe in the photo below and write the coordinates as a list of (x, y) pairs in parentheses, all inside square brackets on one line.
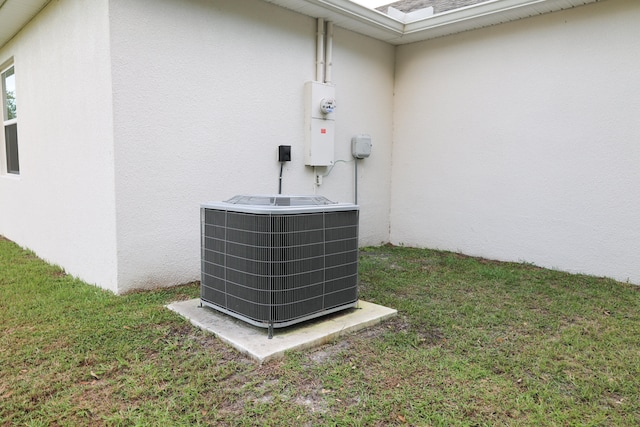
[(329, 53), (320, 51), (355, 161)]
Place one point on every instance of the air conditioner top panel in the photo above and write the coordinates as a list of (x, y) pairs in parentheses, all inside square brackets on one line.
[(280, 200), (279, 204)]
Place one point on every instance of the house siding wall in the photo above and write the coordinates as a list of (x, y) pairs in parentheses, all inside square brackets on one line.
[(520, 142), (204, 92), (62, 204)]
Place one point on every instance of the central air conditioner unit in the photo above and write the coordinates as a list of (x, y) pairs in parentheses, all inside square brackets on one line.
[(274, 261)]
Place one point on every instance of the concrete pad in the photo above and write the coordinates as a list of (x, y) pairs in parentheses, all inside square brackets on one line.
[(254, 341)]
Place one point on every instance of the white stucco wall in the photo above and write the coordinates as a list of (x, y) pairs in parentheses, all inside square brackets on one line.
[(520, 142), (204, 92), (62, 204), (515, 142)]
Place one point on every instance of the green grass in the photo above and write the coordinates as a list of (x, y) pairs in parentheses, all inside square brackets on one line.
[(476, 343)]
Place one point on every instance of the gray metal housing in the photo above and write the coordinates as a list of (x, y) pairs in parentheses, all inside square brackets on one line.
[(274, 261)]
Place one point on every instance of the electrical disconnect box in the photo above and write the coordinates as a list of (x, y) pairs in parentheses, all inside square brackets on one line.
[(319, 124), (284, 153), (361, 146)]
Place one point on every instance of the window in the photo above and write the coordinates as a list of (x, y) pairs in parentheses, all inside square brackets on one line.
[(10, 119)]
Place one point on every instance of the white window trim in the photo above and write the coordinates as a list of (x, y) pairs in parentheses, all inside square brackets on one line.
[(4, 67)]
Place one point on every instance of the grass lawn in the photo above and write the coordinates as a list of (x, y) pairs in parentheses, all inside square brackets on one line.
[(476, 343)]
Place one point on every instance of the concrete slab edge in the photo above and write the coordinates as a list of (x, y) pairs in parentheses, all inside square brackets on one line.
[(262, 357)]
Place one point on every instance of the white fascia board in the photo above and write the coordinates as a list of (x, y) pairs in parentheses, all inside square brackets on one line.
[(373, 23), (485, 14)]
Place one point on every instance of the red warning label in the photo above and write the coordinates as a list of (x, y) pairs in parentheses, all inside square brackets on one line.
[(323, 130)]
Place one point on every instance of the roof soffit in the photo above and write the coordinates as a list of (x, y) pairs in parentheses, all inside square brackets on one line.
[(15, 14), (378, 25)]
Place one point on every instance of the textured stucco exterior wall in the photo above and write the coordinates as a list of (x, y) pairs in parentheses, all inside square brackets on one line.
[(515, 142), (204, 92), (62, 204), (520, 142)]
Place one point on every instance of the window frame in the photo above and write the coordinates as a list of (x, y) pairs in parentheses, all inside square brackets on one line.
[(6, 165)]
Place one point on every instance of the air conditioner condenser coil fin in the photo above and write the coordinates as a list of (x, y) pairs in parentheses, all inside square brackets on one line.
[(279, 260)]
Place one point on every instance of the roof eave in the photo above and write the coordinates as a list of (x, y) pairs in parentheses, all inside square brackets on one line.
[(375, 24), (15, 15), (349, 15)]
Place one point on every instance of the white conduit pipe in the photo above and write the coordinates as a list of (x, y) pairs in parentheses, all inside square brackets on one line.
[(320, 51), (329, 53)]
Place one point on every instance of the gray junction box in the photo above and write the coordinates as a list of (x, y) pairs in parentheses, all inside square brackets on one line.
[(274, 261)]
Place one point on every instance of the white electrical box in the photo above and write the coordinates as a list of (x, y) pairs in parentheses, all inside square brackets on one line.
[(319, 123), (361, 146)]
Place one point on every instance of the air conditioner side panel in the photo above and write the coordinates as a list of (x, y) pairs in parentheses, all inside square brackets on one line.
[(279, 268)]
